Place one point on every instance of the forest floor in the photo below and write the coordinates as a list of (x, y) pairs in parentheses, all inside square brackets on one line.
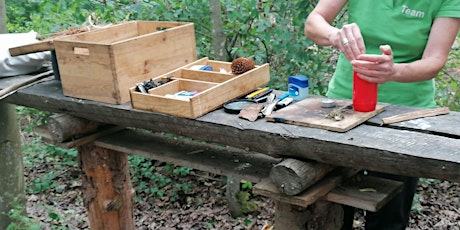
[(55, 199)]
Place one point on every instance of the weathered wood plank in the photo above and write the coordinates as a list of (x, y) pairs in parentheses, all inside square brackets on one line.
[(310, 113), (207, 157), (104, 131), (365, 192), (415, 115), (422, 152), (440, 125)]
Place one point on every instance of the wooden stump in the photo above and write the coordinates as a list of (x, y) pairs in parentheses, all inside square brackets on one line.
[(108, 190), (293, 176)]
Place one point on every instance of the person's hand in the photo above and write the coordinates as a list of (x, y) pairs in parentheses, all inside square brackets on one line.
[(378, 68), (349, 40)]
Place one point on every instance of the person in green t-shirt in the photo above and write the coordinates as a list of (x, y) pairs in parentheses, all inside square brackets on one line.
[(399, 44)]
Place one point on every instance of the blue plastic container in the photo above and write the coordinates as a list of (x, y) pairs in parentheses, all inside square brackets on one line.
[(298, 87)]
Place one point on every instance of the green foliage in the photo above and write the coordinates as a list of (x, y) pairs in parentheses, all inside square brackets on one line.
[(244, 197), (153, 181), (416, 204), (19, 219), (247, 222), (210, 224), (272, 32), (247, 205), (44, 17), (37, 153), (31, 117), (448, 80), (429, 181), (246, 185)]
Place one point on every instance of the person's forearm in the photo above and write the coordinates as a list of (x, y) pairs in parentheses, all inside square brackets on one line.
[(420, 70), (318, 24), (442, 36), (319, 30)]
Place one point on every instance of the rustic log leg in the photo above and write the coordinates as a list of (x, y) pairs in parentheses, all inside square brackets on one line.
[(233, 187), (108, 189), (321, 215)]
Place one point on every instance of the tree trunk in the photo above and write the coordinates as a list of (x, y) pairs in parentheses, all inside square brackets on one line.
[(3, 29), (218, 49), (11, 167), (217, 34)]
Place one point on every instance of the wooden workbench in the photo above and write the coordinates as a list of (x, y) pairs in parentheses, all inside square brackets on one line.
[(427, 147)]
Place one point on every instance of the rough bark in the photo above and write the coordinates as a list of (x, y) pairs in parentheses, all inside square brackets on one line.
[(3, 28), (218, 36), (218, 49), (64, 127), (233, 187), (11, 166), (322, 215), (293, 176), (108, 190)]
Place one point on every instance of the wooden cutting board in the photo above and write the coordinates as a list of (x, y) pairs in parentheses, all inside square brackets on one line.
[(309, 112)]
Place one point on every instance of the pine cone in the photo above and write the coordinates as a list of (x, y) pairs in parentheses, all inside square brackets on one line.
[(242, 65)]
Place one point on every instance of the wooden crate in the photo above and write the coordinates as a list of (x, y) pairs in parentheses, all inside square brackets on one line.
[(101, 65), (215, 88)]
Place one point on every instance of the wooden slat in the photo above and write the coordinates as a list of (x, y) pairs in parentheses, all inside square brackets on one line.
[(310, 195), (416, 114), (32, 48), (46, 137), (232, 162), (365, 192), (441, 125), (12, 88)]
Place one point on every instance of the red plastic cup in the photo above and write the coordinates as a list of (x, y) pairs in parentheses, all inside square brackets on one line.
[(364, 94)]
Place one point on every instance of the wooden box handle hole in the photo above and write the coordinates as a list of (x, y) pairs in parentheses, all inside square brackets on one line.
[(81, 51)]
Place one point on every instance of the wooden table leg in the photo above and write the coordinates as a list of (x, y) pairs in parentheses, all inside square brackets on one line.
[(108, 194), (11, 165), (322, 215)]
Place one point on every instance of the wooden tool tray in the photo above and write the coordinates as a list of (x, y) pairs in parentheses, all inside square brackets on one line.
[(213, 88)]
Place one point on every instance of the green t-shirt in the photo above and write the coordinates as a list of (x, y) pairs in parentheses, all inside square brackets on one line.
[(405, 26)]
